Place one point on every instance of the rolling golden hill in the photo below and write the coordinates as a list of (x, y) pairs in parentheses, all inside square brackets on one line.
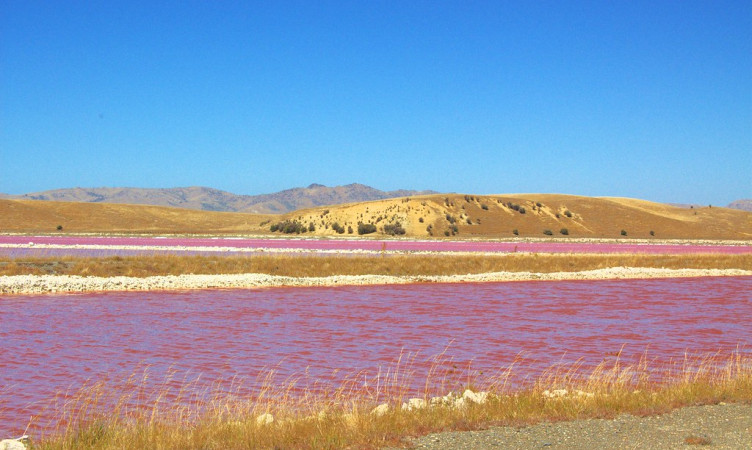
[(439, 216), (39, 216), (531, 215)]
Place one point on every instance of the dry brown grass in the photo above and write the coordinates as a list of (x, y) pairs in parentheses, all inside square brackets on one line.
[(318, 266), (101, 417)]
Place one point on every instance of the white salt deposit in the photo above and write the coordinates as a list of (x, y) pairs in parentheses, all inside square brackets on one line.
[(37, 284)]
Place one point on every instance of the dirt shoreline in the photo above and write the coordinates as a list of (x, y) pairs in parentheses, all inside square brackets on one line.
[(721, 426), (42, 284)]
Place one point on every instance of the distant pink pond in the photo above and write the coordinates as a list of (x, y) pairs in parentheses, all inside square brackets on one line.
[(378, 245), (51, 343)]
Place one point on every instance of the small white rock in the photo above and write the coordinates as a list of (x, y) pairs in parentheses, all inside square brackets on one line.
[(556, 393), (264, 419), (442, 401), (414, 403), (12, 444), (380, 410), (475, 397)]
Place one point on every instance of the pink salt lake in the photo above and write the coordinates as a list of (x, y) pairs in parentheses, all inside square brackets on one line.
[(374, 245), (51, 343)]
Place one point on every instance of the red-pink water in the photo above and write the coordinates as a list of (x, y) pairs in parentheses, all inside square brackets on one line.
[(53, 342), (377, 245)]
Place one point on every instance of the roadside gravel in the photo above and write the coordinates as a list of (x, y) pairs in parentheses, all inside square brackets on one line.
[(37, 284), (723, 426)]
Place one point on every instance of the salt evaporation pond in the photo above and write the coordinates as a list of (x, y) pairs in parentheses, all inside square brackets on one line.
[(62, 245), (51, 343)]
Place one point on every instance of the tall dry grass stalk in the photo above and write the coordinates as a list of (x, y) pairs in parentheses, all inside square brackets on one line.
[(180, 412), (307, 265)]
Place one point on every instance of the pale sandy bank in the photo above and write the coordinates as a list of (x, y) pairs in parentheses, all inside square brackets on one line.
[(36, 284)]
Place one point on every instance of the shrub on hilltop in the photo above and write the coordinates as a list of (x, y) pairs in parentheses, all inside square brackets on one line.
[(366, 228), (288, 227), (395, 229), (516, 207)]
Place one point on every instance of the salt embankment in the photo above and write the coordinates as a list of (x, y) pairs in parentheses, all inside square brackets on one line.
[(38, 284)]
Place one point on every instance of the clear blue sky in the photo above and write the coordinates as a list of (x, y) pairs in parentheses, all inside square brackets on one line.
[(643, 99)]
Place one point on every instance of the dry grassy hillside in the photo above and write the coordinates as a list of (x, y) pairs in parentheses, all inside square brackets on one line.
[(531, 215), (27, 216), (438, 216)]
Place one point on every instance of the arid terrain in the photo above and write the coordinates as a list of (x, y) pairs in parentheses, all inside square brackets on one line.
[(441, 216), (544, 407)]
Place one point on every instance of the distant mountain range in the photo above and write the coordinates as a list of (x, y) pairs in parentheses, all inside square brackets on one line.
[(208, 199), (744, 204)]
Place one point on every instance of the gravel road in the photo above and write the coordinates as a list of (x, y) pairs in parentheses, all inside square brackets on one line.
[(723, 426)]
